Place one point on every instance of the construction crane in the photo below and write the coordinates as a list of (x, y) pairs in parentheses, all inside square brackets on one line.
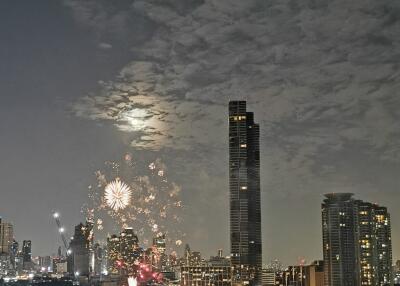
[(61, 230)]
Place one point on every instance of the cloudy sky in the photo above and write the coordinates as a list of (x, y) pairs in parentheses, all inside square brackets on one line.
[(82, 82)]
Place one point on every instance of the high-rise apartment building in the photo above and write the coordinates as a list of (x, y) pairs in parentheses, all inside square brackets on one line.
[(244, 187), (99, 259), (375, 246), (113, 253), (27, 255), (81, 250), (27, 251), (159, 255), (383, 235), (6, 237), (123, 252), (339, 240), (129, 248), (356, 242)]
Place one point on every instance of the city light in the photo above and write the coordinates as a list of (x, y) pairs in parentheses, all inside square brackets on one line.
[(132, 281)]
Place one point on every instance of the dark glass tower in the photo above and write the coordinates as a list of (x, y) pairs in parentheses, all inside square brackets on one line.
[(244, 187), (339, 240), (27, 250), (81, 248)]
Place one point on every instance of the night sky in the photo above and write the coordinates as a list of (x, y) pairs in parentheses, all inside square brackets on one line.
[(83, 82)]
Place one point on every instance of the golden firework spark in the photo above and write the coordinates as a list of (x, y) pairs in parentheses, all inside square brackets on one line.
[(117, 195)]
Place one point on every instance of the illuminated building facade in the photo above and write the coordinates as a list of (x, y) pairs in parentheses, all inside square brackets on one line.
[(13, 254), (113, 254), (6, 237), (356, 242), (27, 255), (314, 274), (339, 240), (383, 235), (27, 250), (5, 264), (366, 243), (269, 277), (296, 275), (60, 265), (129, 247), (6, 248), (160, 258), (375, 246), (219, 260), (123, 252), (45, 263), (206, 276), (244, 186)]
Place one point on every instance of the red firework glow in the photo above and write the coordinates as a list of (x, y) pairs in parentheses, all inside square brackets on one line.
[(142, 272), (146, 274)]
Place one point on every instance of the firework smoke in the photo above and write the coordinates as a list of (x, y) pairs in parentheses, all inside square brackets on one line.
[(130, 193)]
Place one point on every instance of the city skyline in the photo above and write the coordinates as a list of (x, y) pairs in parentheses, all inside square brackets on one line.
[(83, 83)]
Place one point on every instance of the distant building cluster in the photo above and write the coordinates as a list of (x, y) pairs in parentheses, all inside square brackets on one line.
[(14, 260)]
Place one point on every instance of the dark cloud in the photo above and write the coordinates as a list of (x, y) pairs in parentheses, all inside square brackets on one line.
[(321, 76)]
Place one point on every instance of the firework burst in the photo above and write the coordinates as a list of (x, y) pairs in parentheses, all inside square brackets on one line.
[(137, 194), (117, 195)]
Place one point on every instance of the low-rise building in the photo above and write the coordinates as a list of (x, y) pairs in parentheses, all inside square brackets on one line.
[(206, 275)]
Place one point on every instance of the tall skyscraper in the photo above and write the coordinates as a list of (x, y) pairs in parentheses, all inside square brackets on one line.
[(99, 259), (159, 255), (27, 250), (123, 252), (129, 248), (356, 242), (6, 248), (6, 237), (339, 240), (113, 253), (27, 255), (244, 187), (81, 250), (375, 246)]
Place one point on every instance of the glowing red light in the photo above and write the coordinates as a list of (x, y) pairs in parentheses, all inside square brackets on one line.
[(119, 263)]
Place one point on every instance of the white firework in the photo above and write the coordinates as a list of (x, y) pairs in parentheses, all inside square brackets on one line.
[(117, 195)]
